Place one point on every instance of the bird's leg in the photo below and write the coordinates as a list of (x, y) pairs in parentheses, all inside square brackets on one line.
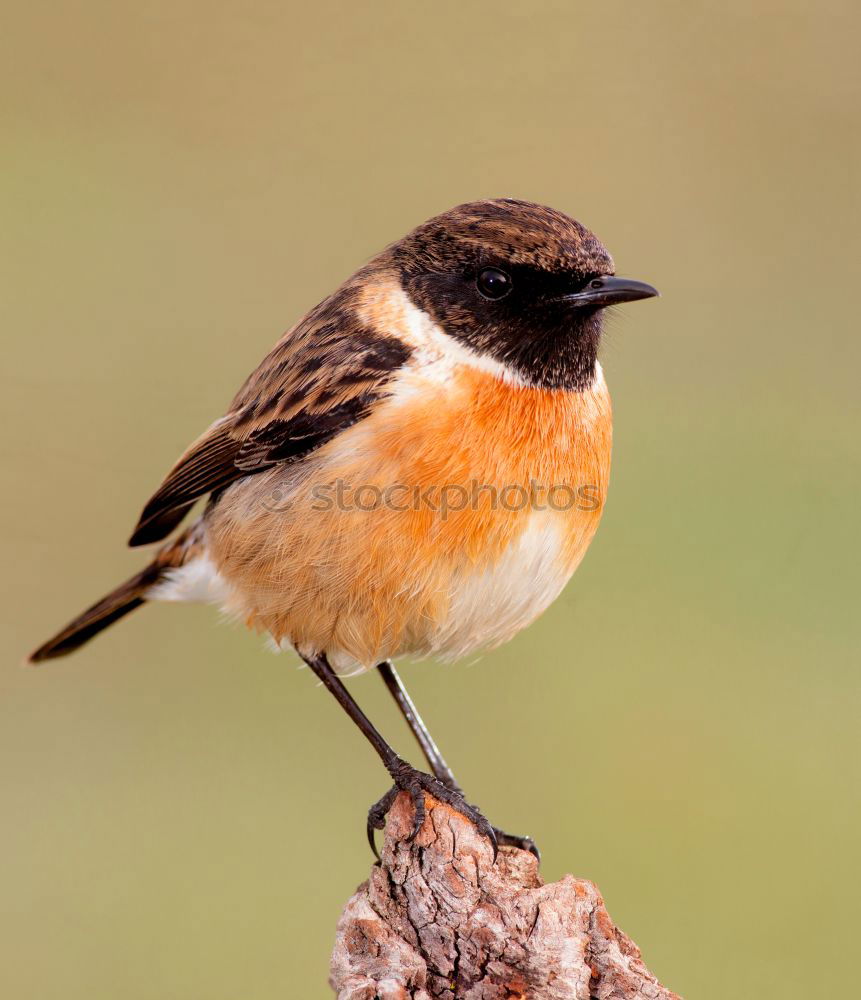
[(405, 776), (441, 771)]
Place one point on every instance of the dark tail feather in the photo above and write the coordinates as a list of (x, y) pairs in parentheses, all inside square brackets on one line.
[(116, 605)]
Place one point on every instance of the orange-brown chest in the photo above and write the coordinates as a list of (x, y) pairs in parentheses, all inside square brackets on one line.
[(481, 457)]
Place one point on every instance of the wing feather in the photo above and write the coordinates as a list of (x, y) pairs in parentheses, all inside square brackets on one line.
[(321, 377)]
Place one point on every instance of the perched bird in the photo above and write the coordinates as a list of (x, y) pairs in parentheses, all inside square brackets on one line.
[(416, 468)]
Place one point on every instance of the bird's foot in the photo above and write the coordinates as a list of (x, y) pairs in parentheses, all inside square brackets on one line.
[(513, 840), (417, 784), (503, 839)]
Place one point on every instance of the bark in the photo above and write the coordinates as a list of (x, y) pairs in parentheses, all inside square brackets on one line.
[(437, 918)]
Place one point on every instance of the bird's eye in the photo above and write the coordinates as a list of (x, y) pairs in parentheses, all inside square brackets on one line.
[(493, 283)]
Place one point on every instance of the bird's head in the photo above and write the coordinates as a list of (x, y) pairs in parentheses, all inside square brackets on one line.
[(520, 283)]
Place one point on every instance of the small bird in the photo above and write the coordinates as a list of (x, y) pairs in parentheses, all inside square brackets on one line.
[(416, 468)]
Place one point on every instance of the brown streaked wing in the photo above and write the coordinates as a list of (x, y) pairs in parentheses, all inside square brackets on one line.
[(321, 377)]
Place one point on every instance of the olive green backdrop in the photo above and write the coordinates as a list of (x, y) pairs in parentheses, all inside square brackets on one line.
[(182, 811)]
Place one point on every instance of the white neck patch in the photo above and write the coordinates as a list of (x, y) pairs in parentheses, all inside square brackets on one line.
[(432, 346)]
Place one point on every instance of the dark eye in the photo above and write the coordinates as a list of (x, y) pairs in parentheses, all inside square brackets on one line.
[(493, 283)]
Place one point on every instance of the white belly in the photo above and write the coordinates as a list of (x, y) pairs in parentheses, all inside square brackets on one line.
[(490, 606), (486, 606)]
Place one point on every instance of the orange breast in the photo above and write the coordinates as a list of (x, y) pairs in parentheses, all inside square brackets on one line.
[(367, 550), (511, 450)]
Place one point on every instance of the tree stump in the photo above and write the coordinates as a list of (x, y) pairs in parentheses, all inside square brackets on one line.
[(437, 918)]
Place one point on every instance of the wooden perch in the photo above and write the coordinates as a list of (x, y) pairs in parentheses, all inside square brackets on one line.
[(439, 919)]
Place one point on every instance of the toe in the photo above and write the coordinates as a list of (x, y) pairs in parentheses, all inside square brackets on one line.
[(521, 843), (419, 811)]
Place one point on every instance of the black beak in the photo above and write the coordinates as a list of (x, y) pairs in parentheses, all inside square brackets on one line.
[(608, 291)]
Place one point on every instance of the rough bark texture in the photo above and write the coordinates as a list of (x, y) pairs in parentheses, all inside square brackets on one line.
[(439, 919)]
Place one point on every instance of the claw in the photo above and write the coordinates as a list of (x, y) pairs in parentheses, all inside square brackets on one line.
[(417, 783), (373, 842), (490, 833), (377, 817), (522, 843)]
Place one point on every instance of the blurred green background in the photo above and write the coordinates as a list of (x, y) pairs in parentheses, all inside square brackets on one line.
[(183, 812)]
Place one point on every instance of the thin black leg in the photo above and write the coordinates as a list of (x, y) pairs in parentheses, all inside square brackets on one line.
[(441, 771), (320, 666), (405, 776)]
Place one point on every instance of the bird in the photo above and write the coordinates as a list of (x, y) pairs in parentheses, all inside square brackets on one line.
[(415, 469)]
